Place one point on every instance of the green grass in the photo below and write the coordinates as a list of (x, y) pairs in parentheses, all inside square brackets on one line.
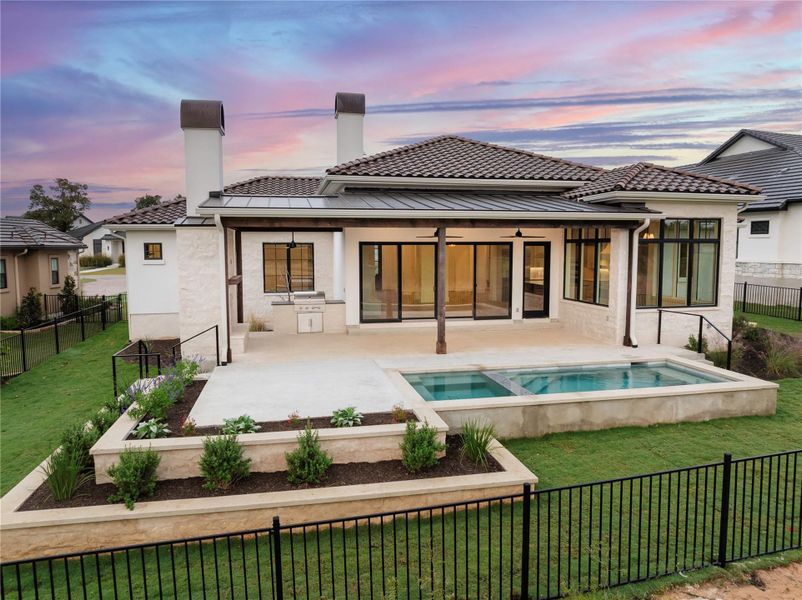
[(774, 323), (103, 272), (567, 458), (36, 406)]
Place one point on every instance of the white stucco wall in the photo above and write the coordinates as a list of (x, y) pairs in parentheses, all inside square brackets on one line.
[(746, 144), (152, 285), (355, 235), (258, 303), (783, 243), (111, 248), (676, 328)]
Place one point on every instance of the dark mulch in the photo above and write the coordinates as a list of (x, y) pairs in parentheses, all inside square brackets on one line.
[(181, 409), (338, 475), (162, 347)]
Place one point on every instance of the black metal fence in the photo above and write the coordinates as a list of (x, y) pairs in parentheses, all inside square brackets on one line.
[(769, 300), (31, 346), (537, 544), (54, 305)]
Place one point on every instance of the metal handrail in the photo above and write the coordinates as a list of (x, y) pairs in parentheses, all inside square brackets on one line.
[(702, 320), (216, 342)]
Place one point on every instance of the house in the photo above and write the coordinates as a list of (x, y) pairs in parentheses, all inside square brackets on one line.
[(446, 229), (98, 239), (770, 234), (33, 255)]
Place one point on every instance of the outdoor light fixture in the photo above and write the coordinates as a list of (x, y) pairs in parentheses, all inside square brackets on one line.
[(292, 243)]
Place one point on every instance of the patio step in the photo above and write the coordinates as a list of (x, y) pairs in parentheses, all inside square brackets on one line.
[(239, 338)]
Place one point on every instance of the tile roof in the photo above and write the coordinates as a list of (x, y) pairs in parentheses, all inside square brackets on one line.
[(275, 186), (19, 232), (164, 213), (776, 171), (451, 156), (786, 141), (646, 177), (79, 232)]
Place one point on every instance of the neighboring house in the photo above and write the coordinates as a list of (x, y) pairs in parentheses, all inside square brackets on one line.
[(33, 255), (81, 221), (445, 227), (770, 236), (99, 239)]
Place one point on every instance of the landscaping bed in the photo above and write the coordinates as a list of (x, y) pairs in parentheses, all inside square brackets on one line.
[(179, 412), (452, 464)]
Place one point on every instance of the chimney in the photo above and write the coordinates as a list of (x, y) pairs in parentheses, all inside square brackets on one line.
[(203, 123), (349, 110)]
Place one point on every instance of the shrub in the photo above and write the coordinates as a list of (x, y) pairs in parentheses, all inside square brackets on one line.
[(346, 417), (9, 322), (185, 371), (134, 476), (153, 404), (189, 427), (77, 440), (241, 424), (103, 419), (30, 309), (151, 429), (782, 357), (64, 474), (693, 344), (294, 419), (121, 260), (476, 438), (256, 324), (94, 262), (308, 463), (419, 447), (399, 414), (67, 297), (223, 463)]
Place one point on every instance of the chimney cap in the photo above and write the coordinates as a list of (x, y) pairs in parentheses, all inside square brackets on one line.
[(349, 102), (203, 114)]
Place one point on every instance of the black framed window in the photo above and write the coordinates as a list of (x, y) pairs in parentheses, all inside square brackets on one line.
[(288, 269), (153, 251), (54, 275), (678, 263), (97, 247), (3, 274), (759, 227), (587, 265)]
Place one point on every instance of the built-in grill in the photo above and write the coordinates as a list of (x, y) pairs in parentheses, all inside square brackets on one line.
[(309, 309)]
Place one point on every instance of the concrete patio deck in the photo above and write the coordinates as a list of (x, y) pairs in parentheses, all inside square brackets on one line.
[(316, 374)]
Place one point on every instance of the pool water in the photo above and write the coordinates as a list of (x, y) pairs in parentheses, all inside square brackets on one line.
[(465, 385)]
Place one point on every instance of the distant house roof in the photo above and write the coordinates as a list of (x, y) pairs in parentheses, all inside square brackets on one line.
[(19, 232), (275, 186), (776, 171), (646, 177), (79, 232), (451, 156), (163, 213)]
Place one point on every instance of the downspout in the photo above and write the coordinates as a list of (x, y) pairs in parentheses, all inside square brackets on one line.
[(16, 275), (633, 283), (223, 251)]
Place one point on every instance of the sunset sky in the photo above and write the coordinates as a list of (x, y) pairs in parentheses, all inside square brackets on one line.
[(90, 91)]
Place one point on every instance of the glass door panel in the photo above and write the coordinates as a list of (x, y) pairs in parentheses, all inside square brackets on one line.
[(379, 282), (536, 279), (417, 281), (493, 263), (459, 281)]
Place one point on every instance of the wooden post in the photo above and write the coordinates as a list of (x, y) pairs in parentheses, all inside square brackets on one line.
[(440, 348)]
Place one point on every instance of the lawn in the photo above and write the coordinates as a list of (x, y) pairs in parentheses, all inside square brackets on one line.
[(36, 406), (774, 323), (108, 271), (566, 458)]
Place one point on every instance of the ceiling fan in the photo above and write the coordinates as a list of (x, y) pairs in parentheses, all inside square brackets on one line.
[(434, 235), (518, 234)]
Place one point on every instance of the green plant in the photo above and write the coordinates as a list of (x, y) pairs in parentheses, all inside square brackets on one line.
[(693, 344), (189, 427), (30, 309), (64, 474), (97, 261), (103, 419), (121, 260), (134, 475), (154, 403), (67, 297), (77, 440), (419, 447), (152, 428), (399, 413), (346, 417), (476, 437), (185, 371), (308, 463), (294, 419), (256, 324), (9, 322), (782, 357), (222, 463), (241, 424)]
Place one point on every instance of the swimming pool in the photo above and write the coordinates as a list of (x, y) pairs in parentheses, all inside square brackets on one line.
[(466, 385)]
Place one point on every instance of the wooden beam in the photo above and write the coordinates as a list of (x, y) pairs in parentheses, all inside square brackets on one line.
[(337, 224), (440, 347)]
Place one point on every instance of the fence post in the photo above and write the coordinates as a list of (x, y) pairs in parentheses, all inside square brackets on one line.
[(103, 313), (659, 325), (799, 306), (525, 542), (55, 334), (22, 348), (217, 343), (119, 307), (276, 533), (699, 342), (743, 303), (114, 374), (725, 511), (83, 331), (729, 355)]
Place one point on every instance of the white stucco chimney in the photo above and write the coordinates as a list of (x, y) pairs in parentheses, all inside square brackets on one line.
[(349, 110), (203, 122)]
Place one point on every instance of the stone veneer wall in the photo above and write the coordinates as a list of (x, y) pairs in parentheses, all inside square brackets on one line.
[(769, 270)]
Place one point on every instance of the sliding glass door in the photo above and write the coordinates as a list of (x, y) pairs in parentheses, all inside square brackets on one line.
[(493, 269), (459, 280), (379, 269), (418, 281), (536, 279)]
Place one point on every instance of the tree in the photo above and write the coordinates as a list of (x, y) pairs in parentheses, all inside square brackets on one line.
[(68, 201), (147, 200), (30, 310), (67, 297)]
